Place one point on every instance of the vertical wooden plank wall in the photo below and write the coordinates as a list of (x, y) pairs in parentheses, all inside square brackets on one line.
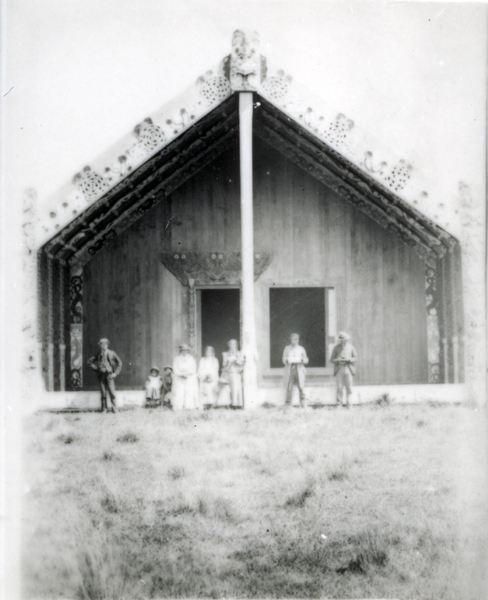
[(131, 298), (314, 235)]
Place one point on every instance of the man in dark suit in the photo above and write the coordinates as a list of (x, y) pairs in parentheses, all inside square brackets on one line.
[(107, 365)]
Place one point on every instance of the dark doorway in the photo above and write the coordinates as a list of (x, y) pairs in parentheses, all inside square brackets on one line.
[(220, 310), (302, 311)]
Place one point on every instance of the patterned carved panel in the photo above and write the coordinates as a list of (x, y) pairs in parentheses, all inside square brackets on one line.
[(76, 328), (433, 335), (76, 355), (211, 268)]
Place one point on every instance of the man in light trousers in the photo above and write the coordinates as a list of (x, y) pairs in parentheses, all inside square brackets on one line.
[(344, 356)]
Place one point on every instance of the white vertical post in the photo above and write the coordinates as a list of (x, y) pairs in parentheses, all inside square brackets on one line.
[(247, 249), (446, 361), (455, 353)]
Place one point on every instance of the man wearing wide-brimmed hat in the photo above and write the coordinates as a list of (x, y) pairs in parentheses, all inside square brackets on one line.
[(107, 365), (344, 356)]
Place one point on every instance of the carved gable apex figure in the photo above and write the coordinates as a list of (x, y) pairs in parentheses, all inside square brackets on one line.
[(245, 61)]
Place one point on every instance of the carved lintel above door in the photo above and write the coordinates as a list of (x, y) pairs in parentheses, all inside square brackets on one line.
[(211, 268)]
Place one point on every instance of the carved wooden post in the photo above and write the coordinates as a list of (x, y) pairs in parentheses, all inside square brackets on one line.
[(32, 330), (433, 341), (455, 338), (247, 245), (445, 322), (76, 327), (62, 344), (191, 315), (50, 326)]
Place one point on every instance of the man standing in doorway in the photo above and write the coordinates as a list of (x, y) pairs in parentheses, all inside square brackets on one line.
[(295, 358), (108, 365), (344, 356)]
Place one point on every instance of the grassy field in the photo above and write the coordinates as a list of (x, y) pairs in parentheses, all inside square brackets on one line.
[(369, 503)]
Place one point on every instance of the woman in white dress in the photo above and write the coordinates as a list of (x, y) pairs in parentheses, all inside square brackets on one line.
[(208, 374), (232, 364), (185, 382)]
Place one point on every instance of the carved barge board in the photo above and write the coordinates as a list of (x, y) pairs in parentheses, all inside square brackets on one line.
[(154, 196), (201, 135), (292, 137)]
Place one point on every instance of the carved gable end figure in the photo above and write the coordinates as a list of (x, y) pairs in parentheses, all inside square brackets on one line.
[(245, 67)]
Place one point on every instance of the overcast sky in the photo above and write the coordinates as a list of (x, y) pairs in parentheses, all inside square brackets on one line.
[(81, 73)]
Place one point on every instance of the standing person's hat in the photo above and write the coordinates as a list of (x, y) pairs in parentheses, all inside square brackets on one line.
[(103, 340), (154, 369), (168, 367), (343, 336), (184, 347)]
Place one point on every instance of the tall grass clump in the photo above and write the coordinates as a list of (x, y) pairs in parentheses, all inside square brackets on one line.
[(383, 401), (66, 438), (176, 472), (340, 470), (367, 549), (108, 455), (103, 572), (128, 438), (298, 499)]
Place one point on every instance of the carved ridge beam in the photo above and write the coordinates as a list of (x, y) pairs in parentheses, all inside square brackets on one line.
[(335, 161), (152, 197), (344, 189), (194, 135)]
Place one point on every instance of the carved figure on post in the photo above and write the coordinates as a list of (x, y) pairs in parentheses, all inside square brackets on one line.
[(245, 60)]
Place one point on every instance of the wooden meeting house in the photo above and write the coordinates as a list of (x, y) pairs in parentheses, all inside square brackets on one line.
[(243, 211)]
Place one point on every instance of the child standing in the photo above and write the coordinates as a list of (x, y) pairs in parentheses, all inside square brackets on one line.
[(154, 383)]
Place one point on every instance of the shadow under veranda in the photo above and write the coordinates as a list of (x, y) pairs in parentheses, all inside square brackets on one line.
[(269, 503)]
